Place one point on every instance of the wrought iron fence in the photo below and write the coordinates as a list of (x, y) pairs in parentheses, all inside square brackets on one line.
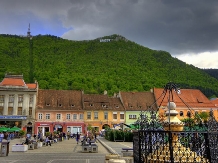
[(153, 144)]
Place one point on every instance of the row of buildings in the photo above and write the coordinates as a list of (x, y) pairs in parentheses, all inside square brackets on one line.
[(36, 110)]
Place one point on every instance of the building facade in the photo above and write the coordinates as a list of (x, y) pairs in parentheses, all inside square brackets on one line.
[(18, 102), (59, 110)]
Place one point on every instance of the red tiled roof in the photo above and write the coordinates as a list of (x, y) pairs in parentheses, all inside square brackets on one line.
[(136, 101), (101, 102), (59, 99), (32, 86), (12, 82), (191, 97)]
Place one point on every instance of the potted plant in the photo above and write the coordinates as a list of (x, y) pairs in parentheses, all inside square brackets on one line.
[(22, 133)]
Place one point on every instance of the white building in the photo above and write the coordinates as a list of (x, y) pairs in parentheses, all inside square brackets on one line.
[(18, 102)]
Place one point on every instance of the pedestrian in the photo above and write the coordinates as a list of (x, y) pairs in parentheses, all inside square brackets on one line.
[(1, 136), (77, 137), (68, 135), (47, 141)]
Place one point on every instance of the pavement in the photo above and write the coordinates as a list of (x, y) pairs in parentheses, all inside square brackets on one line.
[(66, 151)]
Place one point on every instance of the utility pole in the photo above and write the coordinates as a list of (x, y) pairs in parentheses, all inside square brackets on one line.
[(29, 36)]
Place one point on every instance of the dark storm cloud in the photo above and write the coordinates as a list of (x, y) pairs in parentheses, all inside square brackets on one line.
[(176, 26)]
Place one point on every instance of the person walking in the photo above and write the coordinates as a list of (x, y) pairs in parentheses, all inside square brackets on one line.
[(77, 137)]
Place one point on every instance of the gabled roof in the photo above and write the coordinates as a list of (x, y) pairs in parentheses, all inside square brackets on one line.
[(16, 81), (59, 99), (137, 101), (191, 97), (95, 102), (116, 104)]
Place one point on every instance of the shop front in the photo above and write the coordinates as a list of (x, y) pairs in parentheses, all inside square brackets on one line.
[(43, 127)]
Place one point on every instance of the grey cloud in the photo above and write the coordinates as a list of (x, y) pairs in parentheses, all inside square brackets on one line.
[(177, 26)]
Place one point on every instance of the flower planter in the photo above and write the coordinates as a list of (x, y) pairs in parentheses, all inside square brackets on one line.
[(19, 148), (39, 144)]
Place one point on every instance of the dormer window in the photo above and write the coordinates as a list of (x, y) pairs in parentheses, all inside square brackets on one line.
[(90, 104), (47, 104), (72, 105), (103, 106), (130, 106), (117, 106), (59, 105)]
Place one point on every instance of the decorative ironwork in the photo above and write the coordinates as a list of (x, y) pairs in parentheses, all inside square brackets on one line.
[(175, 142)]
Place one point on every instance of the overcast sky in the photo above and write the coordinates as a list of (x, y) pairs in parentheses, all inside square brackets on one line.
[(187, 29)]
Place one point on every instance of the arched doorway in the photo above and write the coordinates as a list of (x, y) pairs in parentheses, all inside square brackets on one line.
[(105, 126), (29, 128)]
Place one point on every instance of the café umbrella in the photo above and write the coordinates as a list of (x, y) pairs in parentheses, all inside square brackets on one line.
[(14, 129), (3, 129)]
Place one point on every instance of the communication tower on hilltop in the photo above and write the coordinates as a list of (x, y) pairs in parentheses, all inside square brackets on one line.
[(31, 68), (28, 32)]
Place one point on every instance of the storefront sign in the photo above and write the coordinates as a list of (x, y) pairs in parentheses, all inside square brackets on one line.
[(12, 117), (44, 124)]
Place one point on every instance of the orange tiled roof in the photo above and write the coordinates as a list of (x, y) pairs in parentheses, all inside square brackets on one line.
[(215, 102), (191, 97), (136, 101), (12, 82), (59, 99), (32, 86)]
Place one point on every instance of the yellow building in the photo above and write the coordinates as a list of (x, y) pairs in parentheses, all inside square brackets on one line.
[(101, 111)]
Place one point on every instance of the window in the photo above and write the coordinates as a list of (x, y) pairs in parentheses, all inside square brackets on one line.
[(68, 116), (95, 115), (80, 116), (181, 113), (114, 115), (90, 104), (74, 116), (105, 115), (72, 105), (2, 97), (116, 106), (11, 98), (20, 98), (30, 111), (188, 114), (19, 111), (89, 115), (31, 99), (58, 116), (132, 116), (121, 115), (47, 116), (40, 115)]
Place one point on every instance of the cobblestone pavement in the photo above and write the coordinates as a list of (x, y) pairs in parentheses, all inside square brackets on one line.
[(66, 151)]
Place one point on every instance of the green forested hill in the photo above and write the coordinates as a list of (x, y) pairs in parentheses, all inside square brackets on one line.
[(94, 66)]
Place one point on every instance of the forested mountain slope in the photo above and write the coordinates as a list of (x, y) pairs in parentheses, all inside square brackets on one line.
[(95, 66), (212, 72)]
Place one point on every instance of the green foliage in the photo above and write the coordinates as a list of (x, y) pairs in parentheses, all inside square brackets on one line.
[(94, 66), (113, 135), (47, 134), (22, 133)]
